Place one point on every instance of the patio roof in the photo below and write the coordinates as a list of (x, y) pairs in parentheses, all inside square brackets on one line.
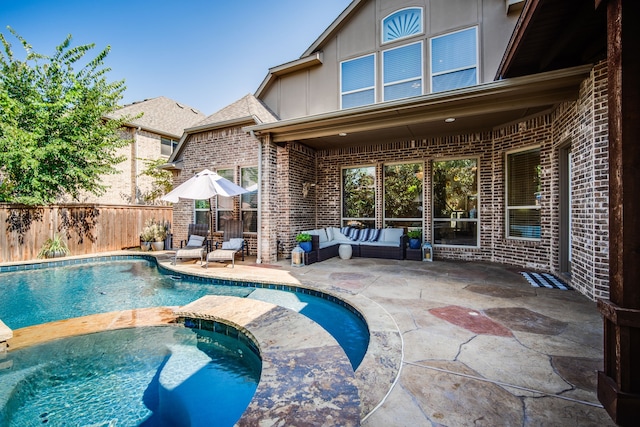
[(475, 108)]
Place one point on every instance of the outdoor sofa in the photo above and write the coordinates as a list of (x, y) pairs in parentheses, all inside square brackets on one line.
[(389, 243)]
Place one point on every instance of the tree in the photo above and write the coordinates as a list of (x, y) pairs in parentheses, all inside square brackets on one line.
[(162, 180), (54, 138)]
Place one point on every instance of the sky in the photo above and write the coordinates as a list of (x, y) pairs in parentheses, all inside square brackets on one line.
[(202, 53)]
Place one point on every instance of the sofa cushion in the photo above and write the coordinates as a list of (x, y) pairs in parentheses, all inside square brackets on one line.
[(329, 232), (338, 236), (345, 230), (321, 233), (379, 243), (195, 240), (391, 235)]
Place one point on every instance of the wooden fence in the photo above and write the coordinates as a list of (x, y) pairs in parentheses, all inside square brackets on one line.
[(86, 228)]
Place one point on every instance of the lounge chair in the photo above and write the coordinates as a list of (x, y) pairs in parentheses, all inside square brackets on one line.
[(196, 244), (232, 244)]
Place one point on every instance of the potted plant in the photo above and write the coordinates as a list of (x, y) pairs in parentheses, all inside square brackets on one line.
[(54, 247), (147, 236), (153, 235), (304, 240), (414, 238)]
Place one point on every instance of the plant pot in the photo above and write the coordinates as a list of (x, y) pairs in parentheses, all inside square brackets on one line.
[(414, 243), (145, 246), (55, 254), (306, 246), (157, 246)]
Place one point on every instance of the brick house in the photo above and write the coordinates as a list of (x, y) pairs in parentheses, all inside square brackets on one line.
[(504, 166), (155, 135)]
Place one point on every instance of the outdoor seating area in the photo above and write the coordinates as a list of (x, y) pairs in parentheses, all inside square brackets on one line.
[(196, 244), (387, 243)]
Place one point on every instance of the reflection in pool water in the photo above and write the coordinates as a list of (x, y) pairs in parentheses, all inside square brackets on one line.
[(152, 377)]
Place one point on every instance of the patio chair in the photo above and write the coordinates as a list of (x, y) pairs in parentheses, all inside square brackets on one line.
[(232, 243), (196, 244)]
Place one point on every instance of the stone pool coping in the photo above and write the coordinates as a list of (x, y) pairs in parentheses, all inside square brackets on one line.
[(375, 376)]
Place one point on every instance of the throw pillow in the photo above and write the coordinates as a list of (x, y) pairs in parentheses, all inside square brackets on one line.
[(234, 244), (354, 234), (374, 234), (364, 234), (345, 230)]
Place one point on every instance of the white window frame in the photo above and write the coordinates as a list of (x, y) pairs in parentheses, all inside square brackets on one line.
[(440, 73), (172, 143), (383, 25), (363, 89), (242, 209), (507, 207), (420, 78)]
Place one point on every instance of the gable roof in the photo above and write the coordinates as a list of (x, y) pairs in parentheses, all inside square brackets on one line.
[(160, 115), (248, 110)]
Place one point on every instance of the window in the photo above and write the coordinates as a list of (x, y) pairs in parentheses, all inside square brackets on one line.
[(357, 85), (359, 195), (403, 195), (402, 71), (401, 24), (523, 194), (249, 201), (455, 202), (167, 146), (201, 214), (454, 60), (224, 208)]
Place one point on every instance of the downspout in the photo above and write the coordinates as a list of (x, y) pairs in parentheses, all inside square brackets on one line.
[(259, 235)]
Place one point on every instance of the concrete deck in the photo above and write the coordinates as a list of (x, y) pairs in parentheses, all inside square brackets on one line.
[(455, 343), (479, 344)]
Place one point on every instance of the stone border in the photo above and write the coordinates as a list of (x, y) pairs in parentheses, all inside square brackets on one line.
[(306, 376)]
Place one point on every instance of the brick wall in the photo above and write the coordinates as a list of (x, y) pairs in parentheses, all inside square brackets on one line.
[(229, 148), (287, 167)]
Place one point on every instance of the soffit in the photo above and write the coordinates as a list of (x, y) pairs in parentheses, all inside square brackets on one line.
[(476, 108), (553, 34)]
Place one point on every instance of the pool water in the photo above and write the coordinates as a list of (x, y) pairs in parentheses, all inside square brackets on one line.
[(38, 296), (130, 377)]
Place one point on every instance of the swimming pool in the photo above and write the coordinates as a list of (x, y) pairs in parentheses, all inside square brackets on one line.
[(151, 376), (89, 287)]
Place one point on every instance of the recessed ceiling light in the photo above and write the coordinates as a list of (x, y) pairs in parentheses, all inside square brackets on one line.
[(450, 120), (342, 134)]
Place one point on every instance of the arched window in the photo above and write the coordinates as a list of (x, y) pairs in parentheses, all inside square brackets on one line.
[(401, 24)]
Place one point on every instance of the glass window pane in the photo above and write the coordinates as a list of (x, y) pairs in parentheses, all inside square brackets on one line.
[(461, 233), (365, 97), (359, 193), (455, 80), (403, 191), (524, 223), (358, 73), (402, 63), (202, 204), (202, 217), (249, 181), (250, 221), (403, 90), (453, 51), (524, 178), (402, 23), (455, 188)]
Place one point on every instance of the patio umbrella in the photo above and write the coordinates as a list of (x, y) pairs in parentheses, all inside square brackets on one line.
[(202, 186)]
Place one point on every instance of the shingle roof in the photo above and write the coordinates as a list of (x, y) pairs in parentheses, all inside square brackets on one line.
[(247, 106), (161, 114)]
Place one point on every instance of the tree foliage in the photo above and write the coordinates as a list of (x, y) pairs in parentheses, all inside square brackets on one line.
[(162, 180), (54, 138)]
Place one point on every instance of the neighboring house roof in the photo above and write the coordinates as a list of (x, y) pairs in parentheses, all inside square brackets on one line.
[(248, 110), (161, 115)]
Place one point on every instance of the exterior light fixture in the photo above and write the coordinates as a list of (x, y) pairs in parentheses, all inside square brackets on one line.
[(342, 134), (450, 120)]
